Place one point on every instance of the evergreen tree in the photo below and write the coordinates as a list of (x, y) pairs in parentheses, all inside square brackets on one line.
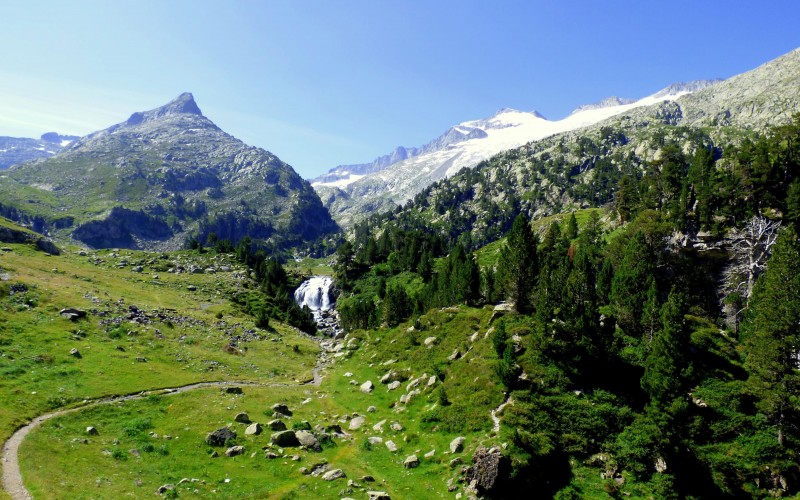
[(772, 337), (631, 283), (519, 264), (665, 365)]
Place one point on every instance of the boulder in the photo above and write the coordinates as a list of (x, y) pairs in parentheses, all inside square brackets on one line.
[(333, 475), (367, 387), (396, 426), (375, 440), (234, 450), (282, 408), (391, 446), (457, 445), (165, 488), (393, 385), (276, 425), (220, 437), (430, 454), (74, 352), (411, 462), (284, 439), (253, 429), (489, 470), (379, 426), (72, 313), (242, 418), (378, 495), (233, 390), (356, 423), (91, 431), (308, 440)]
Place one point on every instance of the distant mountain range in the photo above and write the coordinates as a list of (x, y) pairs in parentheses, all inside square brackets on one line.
[(161, 177), (352, 191), (14, 150)]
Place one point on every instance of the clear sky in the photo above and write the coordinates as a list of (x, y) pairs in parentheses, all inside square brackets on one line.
[(328, 82)]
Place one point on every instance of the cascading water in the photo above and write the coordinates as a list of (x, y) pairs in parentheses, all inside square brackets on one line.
[(317, 293)]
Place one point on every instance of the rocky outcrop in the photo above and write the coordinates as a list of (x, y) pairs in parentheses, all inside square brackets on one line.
[(489, 470), (9, 234)]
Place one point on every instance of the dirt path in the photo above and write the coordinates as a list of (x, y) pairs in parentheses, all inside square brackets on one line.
[(12, 477), (498, 410)]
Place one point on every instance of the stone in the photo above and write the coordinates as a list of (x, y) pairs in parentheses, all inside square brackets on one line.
[(456, 462), (393, 385), (391, 446), (411, 462), (253, 429), (91, 431), (233, 390), (378, 495), (431, 381), (284, 439), (396, 426), (234, 450), (72, 313), (356, 423), (429, 341), (303, 425), (242, 418), (348, 374), (371, 409), (334, 474), (282, 408), (368, 479), (74, 352), (379, 426), (308, 440), (276, 425), (220, 437), (367, 387), (430, 454), (271, 455), (488, 471), (375, 440), (165, 488), (456, 354), (457, 445)]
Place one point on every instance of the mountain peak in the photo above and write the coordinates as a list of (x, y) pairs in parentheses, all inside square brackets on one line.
[(183, 104)]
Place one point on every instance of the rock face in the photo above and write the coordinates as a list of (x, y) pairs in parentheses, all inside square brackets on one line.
[(11, 234), (489, 470), (165, 165), (220, 437)]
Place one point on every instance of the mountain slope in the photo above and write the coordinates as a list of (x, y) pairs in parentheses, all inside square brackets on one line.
[(14, 150), (161, 176), (464, 145)]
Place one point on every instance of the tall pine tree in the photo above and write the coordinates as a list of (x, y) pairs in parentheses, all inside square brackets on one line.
[(519, 264), (772, 337)]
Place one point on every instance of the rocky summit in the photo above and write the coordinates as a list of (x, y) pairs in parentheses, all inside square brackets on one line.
[(159, 178)]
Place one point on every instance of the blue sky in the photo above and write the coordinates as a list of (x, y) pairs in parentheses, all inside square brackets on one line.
[(330, 82)]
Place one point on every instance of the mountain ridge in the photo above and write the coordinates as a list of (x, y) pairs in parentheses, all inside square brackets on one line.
[(163, 176)]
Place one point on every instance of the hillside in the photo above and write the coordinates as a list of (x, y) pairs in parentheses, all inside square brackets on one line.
[(159, 178)]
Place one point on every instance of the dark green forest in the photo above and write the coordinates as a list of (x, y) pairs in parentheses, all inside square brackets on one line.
[(656, 338)]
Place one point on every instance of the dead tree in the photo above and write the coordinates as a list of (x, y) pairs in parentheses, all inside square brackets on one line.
[(749, 248)]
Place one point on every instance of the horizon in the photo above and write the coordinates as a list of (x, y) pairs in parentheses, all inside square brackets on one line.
[(325, 85)]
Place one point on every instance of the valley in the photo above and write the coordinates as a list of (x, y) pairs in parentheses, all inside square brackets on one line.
[(604, 306)]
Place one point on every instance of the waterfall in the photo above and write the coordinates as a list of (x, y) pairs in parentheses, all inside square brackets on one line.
[(315, 293)]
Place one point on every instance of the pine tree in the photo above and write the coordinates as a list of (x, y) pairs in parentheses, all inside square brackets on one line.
[(772, 336), (631, 282), (519, 264), (664, 366)]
